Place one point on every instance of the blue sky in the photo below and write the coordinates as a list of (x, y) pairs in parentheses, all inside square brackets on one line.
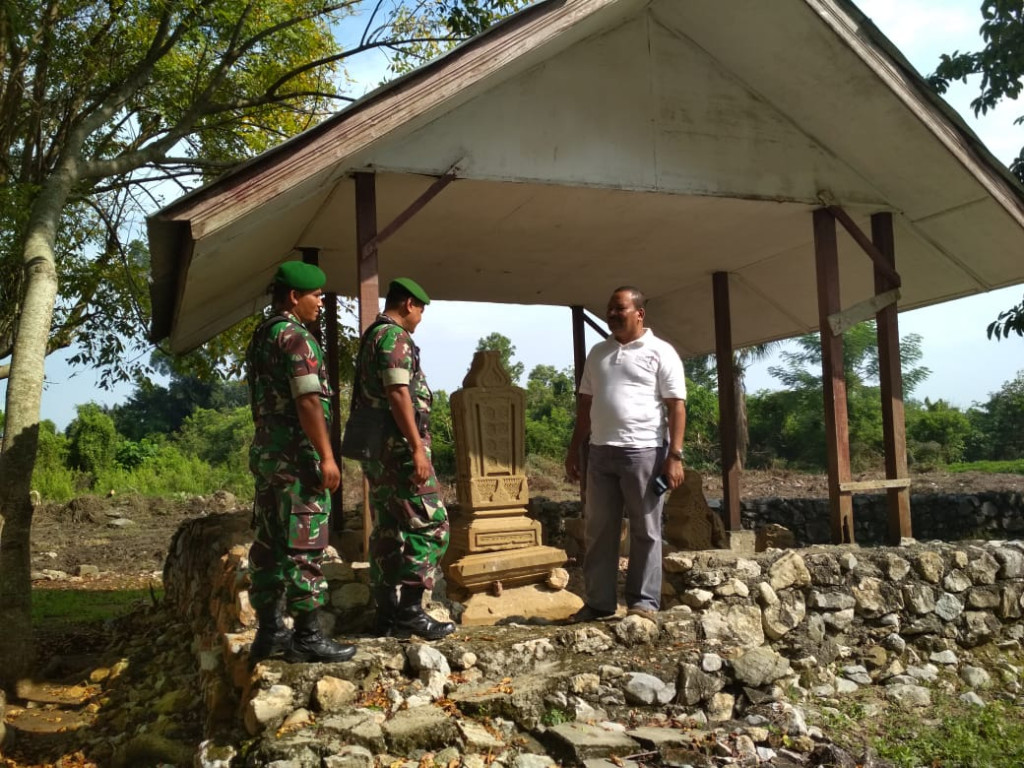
[(965, 366)]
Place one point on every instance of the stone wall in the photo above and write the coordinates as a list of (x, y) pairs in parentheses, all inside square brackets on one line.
[(941, 517), (739, 641)]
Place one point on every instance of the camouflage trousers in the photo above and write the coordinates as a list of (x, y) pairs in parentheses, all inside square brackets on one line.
[(290, 518), (410, 531)]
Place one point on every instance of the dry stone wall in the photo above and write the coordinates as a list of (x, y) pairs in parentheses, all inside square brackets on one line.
[(745, 649)]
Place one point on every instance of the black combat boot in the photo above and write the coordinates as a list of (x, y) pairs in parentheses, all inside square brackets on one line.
[(387, 606), (273, 638), (309, 644), (411, 619)]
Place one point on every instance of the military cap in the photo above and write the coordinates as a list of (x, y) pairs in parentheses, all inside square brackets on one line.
[(300, 276), (412, 287)]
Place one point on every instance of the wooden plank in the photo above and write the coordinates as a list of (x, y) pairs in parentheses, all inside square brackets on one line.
[(890, 375), (837, 434), (869, 485), (843, 321), (728, 424), (869, 247), (369, 293)]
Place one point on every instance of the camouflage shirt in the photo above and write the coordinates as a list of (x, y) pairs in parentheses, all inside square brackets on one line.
[(390, 357), (283, 362)]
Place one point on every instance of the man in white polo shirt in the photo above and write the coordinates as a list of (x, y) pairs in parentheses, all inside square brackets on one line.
[(632, 405)]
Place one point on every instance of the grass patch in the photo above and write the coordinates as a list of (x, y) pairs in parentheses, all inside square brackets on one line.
[(56, 609), (1015, 467), (959, 736)]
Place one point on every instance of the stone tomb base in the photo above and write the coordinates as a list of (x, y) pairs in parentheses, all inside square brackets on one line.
[(509, 568), (531, 601)]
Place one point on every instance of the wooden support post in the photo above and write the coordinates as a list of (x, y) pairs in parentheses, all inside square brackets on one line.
[(837, 434), (727, 422), (579, 344), (369, 291), (579, 359), (891, 381)]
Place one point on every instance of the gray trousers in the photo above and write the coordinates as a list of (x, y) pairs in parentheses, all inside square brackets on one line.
[(621, 479)]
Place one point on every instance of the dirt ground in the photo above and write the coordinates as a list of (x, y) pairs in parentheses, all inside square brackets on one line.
[(126, 538)]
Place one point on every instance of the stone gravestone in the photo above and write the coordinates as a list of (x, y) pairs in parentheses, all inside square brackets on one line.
[(690, 524), (495, 559)]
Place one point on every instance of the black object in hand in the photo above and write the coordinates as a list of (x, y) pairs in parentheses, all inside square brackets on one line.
[(660, 485)]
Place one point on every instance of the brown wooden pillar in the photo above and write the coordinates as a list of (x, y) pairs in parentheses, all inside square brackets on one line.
[(837, 432), (579, 343), (891, 384), (369, 290), (727, 426), (330, 347)]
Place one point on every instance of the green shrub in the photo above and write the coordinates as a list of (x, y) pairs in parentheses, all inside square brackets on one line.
[(51, 477), (93, 440)]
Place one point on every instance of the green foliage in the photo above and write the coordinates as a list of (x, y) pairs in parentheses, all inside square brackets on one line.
[(1009, 321), (1000, 63), (447, 23), (966, 737), (789, 427), (1001, 66), (172, 472), (56, 609), (993, 467), (92, 440), (555, 716), (132, 454), (51, 476), (442, 435), (502, 345), (937, 433), (701, 446), (153, 409), (102, 104), (220, 438), (1001, 422), (550, 411)]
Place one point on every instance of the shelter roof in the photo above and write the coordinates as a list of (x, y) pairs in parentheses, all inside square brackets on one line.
[(602, 142)]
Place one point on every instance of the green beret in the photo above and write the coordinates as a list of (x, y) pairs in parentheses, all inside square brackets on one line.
[(412, 287), (300, 276)]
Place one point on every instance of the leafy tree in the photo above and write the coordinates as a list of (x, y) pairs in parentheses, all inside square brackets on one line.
[(704, 368), (702, 447), (1001, 67), (794, 428), (442, 434), (92, 440), (550, 411), (937, 431), (100, 103), (502, 345), (154, 409), (1000, 423)]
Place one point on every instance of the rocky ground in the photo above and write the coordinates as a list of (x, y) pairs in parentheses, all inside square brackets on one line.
[(118, 693)]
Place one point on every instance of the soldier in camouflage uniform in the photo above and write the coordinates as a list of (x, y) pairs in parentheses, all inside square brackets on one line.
[(410, 533), (295, 471)]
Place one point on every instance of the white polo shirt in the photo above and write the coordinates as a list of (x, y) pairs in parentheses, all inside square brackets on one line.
[(629, 384)]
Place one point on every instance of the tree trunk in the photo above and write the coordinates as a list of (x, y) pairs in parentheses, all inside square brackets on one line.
[(21, 431)]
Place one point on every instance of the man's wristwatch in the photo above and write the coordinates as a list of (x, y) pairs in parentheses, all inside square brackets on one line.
[(675, 455)]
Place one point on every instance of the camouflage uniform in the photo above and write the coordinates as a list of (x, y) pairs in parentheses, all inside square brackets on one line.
[(290, 515), (410, 532)]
